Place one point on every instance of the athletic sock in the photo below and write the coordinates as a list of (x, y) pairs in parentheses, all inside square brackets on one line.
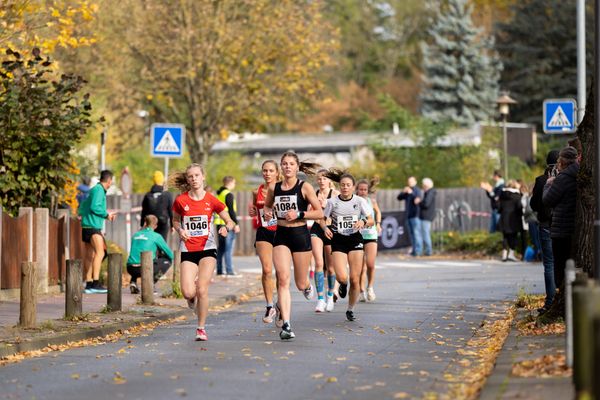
[(330, 283), (350, 308), (329, 293), (320, 281), (269, 305)]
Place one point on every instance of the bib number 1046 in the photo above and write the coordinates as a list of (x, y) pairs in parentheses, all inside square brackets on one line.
[(196, 225)]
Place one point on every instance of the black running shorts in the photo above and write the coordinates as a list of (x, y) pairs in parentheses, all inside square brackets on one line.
[(296, 238), (87, 233), (317, 231), (196, 256), (346, 244), (264, 235)]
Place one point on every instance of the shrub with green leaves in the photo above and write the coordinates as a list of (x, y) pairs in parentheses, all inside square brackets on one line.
[(42, 117), (479, 242)]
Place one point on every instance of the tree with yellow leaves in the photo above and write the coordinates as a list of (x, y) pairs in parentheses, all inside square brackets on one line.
[(218, 65)]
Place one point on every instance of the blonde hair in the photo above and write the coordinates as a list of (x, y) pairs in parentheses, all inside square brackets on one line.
[(150, 221), (178, 179), (277, 168)]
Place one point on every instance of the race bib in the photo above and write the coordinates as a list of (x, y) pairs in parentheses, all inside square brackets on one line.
[(345, 224), (196, 225), (283, 204), (263, 221)]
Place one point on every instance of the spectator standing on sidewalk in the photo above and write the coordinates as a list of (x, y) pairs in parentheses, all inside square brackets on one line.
[(148, 240), (427, 213), (225, 247), (493, 193), (560, 194), (511, 222), (159, 203), (93, 212), (411, 194), (544, 218), (83, 190)]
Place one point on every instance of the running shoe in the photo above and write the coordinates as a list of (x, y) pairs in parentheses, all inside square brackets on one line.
[(362, 297), (192, 304), (269, 314), (278, 319), (133, 288), (97, 288), (371, 294), (286, 332), (350, 315), (201, 335), (343, 290), (309, 293), (330, 303), (320, 306), (88, 291)]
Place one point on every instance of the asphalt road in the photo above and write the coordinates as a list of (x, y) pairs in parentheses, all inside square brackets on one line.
[(399, 347)]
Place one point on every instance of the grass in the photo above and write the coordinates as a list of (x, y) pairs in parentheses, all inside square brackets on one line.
[(475, 242)]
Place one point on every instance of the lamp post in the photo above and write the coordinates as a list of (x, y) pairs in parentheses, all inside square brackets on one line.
[(504, 102)]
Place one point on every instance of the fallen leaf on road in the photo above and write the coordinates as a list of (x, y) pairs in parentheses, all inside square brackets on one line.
[(363, 388), (317, 376), (147, 373), (118, 379), (401, 395), (331, 379), (74, 376)]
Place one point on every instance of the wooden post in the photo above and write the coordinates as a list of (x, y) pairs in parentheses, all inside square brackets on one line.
[(176, 266), (147, 278), (27, 313), (74, 290), (113, 297), (586, 307)]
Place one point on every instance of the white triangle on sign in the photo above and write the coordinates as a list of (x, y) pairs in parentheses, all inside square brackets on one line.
[(559, 119), (167, 143)]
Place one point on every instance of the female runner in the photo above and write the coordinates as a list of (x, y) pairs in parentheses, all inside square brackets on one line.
[(265, 234), (288, 201), (365, 189), (192, 215), (321, 244), (349, 214)]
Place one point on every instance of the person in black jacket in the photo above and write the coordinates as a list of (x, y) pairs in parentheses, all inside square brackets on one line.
[(427, 213), (411, 195), (493, 193), (159, 203), (511, 223), (560, 194), (544, 218)]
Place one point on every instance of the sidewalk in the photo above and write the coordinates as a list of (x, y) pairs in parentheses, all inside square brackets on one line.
[(53, 330), (502, 384)]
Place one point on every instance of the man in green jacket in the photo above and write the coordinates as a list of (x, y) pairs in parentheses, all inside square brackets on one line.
[(93, 212), (147, 240)]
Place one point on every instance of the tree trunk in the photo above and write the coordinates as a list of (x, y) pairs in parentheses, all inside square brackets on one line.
[(586, 194)]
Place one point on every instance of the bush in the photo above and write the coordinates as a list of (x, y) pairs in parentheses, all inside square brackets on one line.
[(479, 242)]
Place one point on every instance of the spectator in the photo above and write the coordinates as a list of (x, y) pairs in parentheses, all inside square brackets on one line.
[(159, 203), (529, 222), (493, 193), (83, 190), (511, 223), (576, 142), (225, 247), (411, 195), (147, 240), (427, 213), (560, 194), (544, 217), (93, 212)]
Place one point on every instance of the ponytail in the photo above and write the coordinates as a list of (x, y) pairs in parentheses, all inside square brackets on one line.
[(309, 168), (336, 175)]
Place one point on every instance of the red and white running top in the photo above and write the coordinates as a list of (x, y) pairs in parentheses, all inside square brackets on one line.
[(196, 218), (260, 217)]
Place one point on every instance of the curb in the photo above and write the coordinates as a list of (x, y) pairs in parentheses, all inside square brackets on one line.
[(37, 344)]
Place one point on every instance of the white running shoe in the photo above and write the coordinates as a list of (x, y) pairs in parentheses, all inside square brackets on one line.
[(321, 305), (362, 297), (371, 294), (309, 293), (330, 304), (269, 314)]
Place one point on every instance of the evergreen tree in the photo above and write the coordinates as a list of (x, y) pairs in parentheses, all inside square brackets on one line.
[(539, 50), (460, 67)]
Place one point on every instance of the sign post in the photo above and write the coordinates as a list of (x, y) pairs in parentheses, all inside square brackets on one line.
[(560, 116), (167, 141)]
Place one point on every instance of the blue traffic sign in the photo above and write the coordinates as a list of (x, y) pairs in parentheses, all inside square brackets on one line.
[(167, 140), (560, 116)]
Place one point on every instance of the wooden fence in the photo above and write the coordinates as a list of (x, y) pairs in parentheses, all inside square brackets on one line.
[(35, 236)]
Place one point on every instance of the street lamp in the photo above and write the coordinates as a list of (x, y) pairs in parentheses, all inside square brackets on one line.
[(504, 102)]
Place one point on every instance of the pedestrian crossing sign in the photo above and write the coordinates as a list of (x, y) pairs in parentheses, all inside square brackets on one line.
[(559, 115), (167, 140)]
